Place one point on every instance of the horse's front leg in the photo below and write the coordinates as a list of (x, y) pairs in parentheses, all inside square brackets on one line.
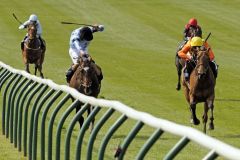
[(194, 119), (205, 116), (39, 67), (27, 67), (90, 109)]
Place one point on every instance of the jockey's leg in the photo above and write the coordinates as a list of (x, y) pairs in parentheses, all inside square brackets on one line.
[(189, 66), (214, 67), (22, 42), (71, 71), (42, 42)]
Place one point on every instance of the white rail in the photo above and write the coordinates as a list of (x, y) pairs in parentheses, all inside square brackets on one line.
[(219, 147)]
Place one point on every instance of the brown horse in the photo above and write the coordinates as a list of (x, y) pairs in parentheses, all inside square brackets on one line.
[(32, 51), (86, 82), (179, 62), (201, 88)]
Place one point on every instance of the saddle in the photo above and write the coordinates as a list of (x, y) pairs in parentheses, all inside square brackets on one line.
[(41, 40)]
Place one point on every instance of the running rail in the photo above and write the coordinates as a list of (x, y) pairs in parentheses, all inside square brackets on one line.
[(20, 89)]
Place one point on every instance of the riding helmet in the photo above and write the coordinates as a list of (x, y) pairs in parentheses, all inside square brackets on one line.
[(86, 34), (193, 22), (33, 18), (196, 41)]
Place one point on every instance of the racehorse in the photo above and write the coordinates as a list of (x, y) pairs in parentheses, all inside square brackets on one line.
[(32, 51), (86, 82), (201, 88), (179, 62)]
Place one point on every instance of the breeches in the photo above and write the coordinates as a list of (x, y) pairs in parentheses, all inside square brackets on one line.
[(74, 55)]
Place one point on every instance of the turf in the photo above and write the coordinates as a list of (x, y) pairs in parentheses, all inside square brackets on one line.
[(136, 52)]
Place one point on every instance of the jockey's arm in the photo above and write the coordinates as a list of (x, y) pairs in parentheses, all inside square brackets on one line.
[(183, 52), (82, 52), (97, 28), (24, 25), (39, 28), (211, 54)]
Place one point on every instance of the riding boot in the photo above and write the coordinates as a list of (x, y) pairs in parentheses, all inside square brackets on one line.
[(42, 43), (214, 68), (98, 71), (100, 77), (186, 74), (69, 74), (22, 42), (22, 45)]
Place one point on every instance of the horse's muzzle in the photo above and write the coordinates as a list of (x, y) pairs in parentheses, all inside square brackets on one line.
[(201, 75)]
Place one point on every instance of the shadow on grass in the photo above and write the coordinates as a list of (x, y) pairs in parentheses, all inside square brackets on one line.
[(227, 100), (144, 137), (228, 136)]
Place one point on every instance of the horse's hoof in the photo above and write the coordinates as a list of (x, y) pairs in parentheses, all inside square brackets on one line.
[(211, 126), (195, 121), (178, 87), (204, 131)]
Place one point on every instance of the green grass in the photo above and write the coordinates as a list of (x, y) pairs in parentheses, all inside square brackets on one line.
[(136, 52)]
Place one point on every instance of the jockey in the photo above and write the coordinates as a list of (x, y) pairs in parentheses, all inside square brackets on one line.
[(192, 44), (189, 28), (191, 25), (33, 19), (79, 41)]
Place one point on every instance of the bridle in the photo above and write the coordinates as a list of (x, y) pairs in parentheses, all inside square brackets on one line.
[(205, 65), (85, 79), (31, 37)]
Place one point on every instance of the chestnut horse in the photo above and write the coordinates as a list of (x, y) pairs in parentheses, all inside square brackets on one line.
[(31, 50), (179, 62), (201, 88), (86, 82)]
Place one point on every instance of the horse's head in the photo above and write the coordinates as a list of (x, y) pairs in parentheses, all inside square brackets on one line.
[(87, 73), (32, 31), (202, 58)]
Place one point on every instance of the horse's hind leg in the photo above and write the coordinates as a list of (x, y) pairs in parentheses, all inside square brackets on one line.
[(93, 120), (27, 68), (211, 124), (205, 116), (81, 119), (179, 70), (35, 71), (40, 71), (194, 119)]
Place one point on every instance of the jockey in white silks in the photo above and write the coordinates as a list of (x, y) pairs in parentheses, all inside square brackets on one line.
[(33, 19), (79, 42)]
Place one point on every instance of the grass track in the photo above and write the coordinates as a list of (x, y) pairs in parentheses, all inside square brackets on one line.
[(136, 52)]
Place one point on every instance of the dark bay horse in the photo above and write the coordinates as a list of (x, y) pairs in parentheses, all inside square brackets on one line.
[(179, 62), (86, 82), (201, 88), (32, 51)]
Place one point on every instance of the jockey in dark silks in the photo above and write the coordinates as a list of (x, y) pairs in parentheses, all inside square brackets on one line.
[(191, 29)]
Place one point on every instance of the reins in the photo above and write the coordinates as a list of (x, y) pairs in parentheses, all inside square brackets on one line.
[(35, 49)]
